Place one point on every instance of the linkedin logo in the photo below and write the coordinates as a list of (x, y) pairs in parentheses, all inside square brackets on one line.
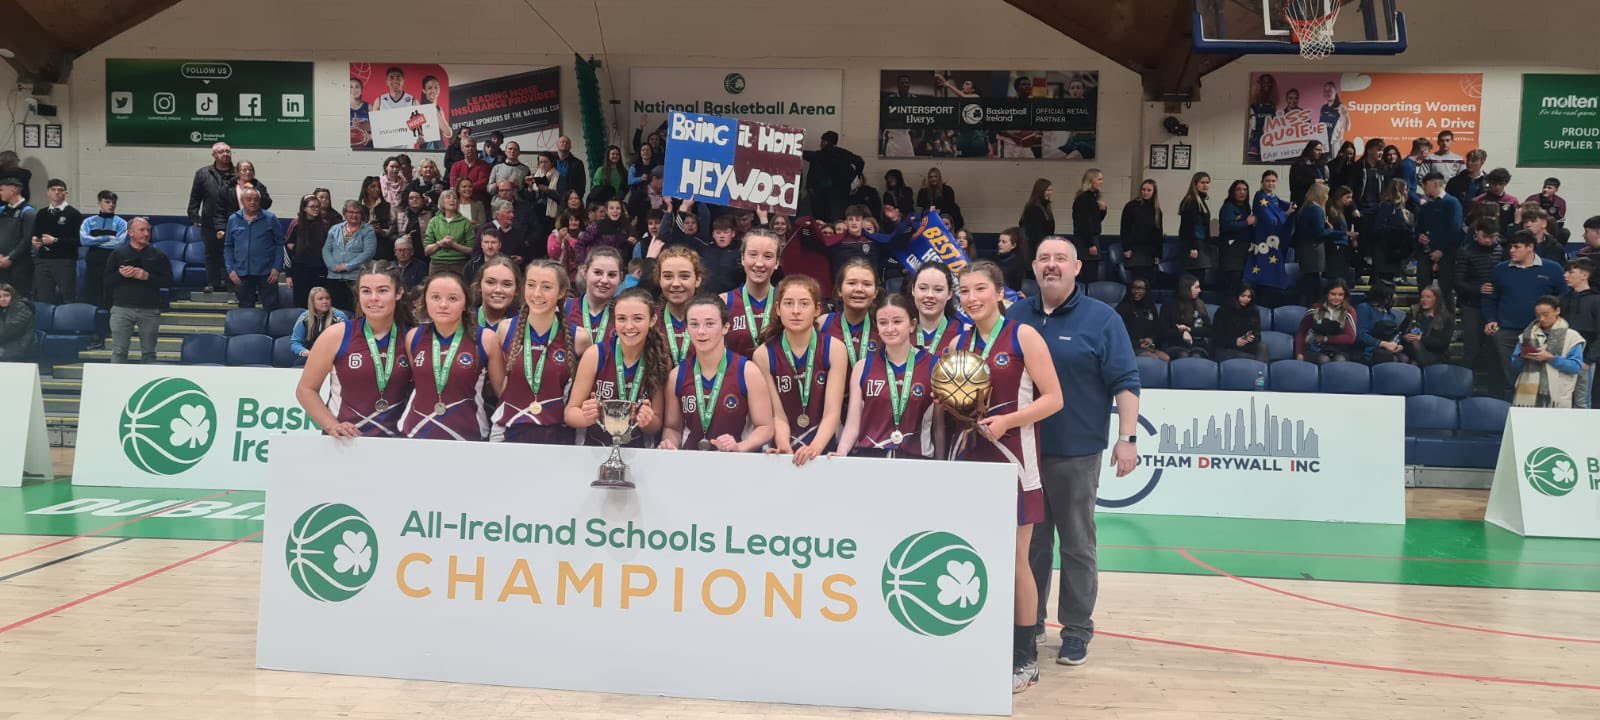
[(294, 106)]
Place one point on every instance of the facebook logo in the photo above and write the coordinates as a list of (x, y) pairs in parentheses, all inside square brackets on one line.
[(294, 106), (250, 105)]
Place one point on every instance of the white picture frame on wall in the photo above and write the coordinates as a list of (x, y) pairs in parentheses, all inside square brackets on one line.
[(52, 136), (1182, 156), (1160, 156), (30, 136)]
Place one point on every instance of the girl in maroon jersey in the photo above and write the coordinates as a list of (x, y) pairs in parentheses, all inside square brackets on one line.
[(892, 410), (371, 374), (1024, 390), (589, 317), (806, 372), (632, 365), (932, 293), (539, 362), (857, 291), (722, 398), (495, 291), (679, 276), (749, 304), (450, 361)]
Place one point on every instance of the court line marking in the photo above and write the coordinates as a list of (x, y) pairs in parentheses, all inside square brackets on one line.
[(1403, 618), (1337, 556), (130, 521), (63, 559), (1342, 664), (125, 583)]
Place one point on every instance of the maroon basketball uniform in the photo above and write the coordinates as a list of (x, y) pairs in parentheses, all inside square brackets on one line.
[(732, 413), (606, 387), (677, 334), (877, 408), (935, 342), (463, 418), (516, 416), (605, 326), (788, 374), (1011, 391), (353, 392), (741, 338), (834, 325)]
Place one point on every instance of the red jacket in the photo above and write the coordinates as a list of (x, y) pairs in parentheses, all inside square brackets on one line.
[(478, 172)]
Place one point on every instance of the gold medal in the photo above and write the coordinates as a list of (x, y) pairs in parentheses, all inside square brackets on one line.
[(804, 421), (381, 406), (704, 444), (438, 409), (897, 437), (536, 408)]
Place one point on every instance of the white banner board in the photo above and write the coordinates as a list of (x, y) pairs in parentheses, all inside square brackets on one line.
[(1264, 455), (27, 450), (183, 426), (852, 582), (801, 98), (1547, 480)]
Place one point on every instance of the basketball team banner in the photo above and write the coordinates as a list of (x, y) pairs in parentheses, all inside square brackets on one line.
[(1547, 480), (738, 163), (849, 582), (932, 241), (1012, 114), (1560, 121), (409, 106), (1265, 455), (22, 424), (1287, 110), (170, 426)]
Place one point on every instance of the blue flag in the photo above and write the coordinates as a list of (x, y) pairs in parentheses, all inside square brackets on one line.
[(922, 239), (1269, 246)]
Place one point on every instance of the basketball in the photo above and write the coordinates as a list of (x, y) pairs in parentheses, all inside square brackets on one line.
[(961, 383), (934, 583)]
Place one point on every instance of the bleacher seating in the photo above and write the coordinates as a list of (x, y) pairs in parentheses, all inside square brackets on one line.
[(245, 321), (1241, 374), (1346, 378), (194, 270), (1286, 318), (204, 349), (282, 355), (1280, 346), (285, 295), (1109, 293), (1431, 423), (1296, 376), (281, 322), (1193, 374), (1451, 381), (1396, 379), (1152, 372), (169, 233), (254, 350)]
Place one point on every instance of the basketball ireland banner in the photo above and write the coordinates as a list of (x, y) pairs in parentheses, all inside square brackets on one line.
[(1547, 480), (1285, 110), (22, 424), (189, 103), (1265, 455), (737, 163), (1011, 114), (1560, 121), (170, 426), (873, 583)]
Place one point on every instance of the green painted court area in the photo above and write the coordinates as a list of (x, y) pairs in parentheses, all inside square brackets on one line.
[(1455, 553)]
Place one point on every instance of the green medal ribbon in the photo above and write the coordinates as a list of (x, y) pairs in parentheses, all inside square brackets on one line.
[(679, 350), (441, 366), (384, 362), (483, 321), (988, 343), (749, 319), (857, 347), (933, 345), (706, 406), (605, 319), (811, 366), (626, 391), (899, 389), (535, 375)]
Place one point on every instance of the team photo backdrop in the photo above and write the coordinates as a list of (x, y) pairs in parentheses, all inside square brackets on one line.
[(1287, 109), (1012, 114), (407, 106)]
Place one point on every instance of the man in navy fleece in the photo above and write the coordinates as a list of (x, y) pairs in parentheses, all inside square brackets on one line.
[(1518, 284)]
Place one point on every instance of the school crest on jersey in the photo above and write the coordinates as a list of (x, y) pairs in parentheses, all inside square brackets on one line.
[(1002, 359), (872, 345), (732, 402), (559, 356), (464, 359), (916, 390), (402, 360)]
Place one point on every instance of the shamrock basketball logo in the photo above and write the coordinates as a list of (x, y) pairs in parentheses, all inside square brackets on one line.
[(733, 83), (934, 583), (332, 552), (1550, 471), (167, 426)]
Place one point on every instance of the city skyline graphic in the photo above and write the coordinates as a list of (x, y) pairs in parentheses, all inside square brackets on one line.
[(1269, 435)]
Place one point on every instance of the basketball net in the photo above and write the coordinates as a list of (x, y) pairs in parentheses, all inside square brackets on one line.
[(1311, 25)]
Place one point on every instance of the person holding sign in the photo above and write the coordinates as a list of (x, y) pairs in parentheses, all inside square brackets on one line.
[(932, 296), (806, 371), (631, 365), (371, 372), (450, 360), (722, 398), (892, 408), (678, 276), (748, 303), (539, 360), (858, 289)]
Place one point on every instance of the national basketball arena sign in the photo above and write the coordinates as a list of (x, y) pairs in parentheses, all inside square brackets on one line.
[(876, 584)]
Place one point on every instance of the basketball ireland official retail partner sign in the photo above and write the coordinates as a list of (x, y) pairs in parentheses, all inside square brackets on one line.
[(1547, 480), (851, 582), (738, 163)]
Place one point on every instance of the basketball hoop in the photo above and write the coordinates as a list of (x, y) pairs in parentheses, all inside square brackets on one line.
[(1311, 26)]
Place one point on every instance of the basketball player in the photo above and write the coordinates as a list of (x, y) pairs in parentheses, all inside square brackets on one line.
[(679, 276), (1024, 390), (932, 294), (807, 372), (892, 410), (857, 288), (722, 398), (539, 362), (589, 316), (748, 304), (450, 360), (371, 376), (631, 365), (496, 291)]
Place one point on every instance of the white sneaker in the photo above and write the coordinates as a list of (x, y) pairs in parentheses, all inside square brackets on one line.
[(1024, 676)]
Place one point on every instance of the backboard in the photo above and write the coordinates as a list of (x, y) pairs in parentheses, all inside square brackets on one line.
[(1262, 27)]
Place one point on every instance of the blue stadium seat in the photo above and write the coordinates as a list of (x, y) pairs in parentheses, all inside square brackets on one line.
[(1211, 310), (44, 316), (245, 321), (248, 350), (1280, 346), (1286, 318), (1266, 316), (1241, 374), (282, 355), (75, 319), (173, 249), (1194, 374), (1293, 376), (1109, 293), (178, 267), (192, 236), (169, 233), (1396, 379), (205, 349), (1451, 381), (1484, 415), (1152, 372), (1292, 271), (195, 253), (285, 295), (1346, 378), (1431, 422), (281, 322)]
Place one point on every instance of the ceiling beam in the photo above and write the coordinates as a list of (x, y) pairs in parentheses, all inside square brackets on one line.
[(34, 56)]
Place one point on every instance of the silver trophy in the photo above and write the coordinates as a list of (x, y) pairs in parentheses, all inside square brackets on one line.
[(617, 419)]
